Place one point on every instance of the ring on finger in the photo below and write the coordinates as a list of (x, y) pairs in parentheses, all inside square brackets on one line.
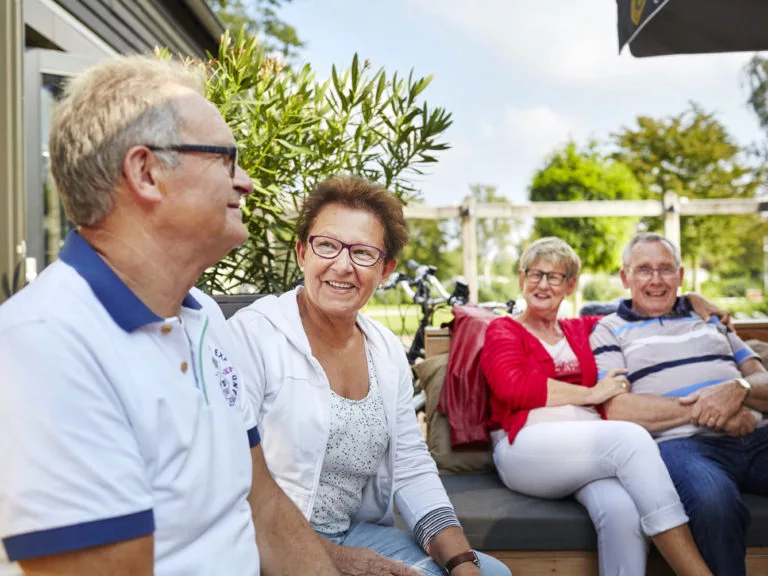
[(623, 385)]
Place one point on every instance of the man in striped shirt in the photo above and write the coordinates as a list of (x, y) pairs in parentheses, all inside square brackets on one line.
[(698, 389)]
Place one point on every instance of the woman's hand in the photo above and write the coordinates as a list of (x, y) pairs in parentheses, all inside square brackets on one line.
[(352, 561), (612, 384), (706, 309)]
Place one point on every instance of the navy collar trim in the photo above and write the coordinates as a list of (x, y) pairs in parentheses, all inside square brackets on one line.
[(681, 309), (125, 308)]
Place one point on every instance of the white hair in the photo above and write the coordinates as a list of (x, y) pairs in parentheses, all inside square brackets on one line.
[(554, 250), (649, 237)]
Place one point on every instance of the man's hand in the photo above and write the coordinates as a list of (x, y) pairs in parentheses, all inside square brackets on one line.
[(352, 561), (741, 424), (707, 309), (714, 405)]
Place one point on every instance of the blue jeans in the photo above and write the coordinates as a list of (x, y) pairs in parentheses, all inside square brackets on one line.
[(710, 473), (398, 545)]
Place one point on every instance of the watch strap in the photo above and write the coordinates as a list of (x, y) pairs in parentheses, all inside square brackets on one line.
[(469, 556)]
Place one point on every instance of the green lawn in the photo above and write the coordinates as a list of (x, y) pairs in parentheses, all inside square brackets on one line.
[(403, 320)]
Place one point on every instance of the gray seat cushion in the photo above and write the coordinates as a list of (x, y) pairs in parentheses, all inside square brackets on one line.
[(230, 304), (495, 518)]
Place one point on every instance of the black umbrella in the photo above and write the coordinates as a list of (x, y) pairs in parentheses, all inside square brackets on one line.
[(659, 27)]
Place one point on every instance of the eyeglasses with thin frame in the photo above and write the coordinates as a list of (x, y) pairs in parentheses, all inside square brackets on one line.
[(646, 272), (329, 247), (230, 151), (553, 278)]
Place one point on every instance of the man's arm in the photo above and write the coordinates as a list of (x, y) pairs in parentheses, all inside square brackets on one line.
[(654, 413), (127, 558), (757, 376), (287, 543), (74, 490)]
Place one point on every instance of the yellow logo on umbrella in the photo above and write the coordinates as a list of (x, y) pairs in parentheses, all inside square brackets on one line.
[(637, 11)]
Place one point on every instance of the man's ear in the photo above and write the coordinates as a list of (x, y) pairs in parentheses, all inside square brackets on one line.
[(624, 279), (520, 278), (141, 175)]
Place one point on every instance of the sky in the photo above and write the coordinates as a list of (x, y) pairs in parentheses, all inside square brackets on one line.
[(520, 78)]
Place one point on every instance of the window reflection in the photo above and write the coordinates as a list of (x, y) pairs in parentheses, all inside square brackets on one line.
[(55, 224)]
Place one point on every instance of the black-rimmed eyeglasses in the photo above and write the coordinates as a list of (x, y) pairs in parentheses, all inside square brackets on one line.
[(230, 151), (361, 254), (553, 278)]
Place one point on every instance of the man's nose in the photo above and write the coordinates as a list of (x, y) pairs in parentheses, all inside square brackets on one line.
[(242, 182)]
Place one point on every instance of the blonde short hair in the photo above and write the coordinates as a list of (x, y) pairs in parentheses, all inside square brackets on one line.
[(117, 104), (554, 250)]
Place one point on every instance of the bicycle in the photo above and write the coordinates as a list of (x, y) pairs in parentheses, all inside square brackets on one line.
[(419, 290)]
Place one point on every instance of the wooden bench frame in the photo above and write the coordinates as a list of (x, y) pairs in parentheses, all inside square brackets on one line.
[(584, 562)]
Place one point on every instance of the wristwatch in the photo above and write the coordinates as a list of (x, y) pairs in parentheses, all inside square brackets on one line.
[(460, 559), (746, 385)]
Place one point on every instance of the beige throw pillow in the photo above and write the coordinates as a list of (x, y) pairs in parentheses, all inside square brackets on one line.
[(431, 374)]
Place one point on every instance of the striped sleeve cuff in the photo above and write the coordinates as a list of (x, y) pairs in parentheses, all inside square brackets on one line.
[(433, 522), (79, 536)]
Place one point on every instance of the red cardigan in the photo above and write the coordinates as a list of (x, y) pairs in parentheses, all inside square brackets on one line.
[(517, 367)]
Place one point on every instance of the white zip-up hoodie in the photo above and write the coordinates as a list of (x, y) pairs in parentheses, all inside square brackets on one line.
[(291, 395)]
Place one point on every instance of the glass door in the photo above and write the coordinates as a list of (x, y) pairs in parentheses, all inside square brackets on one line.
[(45, 74)]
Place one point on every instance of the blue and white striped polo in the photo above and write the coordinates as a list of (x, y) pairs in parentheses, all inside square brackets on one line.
[(673, 355)]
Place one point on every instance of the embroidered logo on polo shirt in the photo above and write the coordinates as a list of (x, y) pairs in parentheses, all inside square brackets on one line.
[(227, 377)]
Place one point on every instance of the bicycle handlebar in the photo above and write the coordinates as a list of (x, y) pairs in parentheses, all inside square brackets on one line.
[(418, 288)]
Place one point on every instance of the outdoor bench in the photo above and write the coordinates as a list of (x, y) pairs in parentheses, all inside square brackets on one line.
[(554, 537), (536, 536)]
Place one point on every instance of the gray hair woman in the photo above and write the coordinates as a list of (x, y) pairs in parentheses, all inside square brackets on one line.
[(339, 431), (548, 429)]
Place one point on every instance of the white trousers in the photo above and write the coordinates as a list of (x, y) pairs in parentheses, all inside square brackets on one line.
[(612, 468)]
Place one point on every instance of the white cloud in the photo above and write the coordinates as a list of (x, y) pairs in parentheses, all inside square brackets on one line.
[(566, 42), (534, 132)]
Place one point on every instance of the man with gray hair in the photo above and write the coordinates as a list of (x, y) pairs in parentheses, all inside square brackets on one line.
[(129, 446), (698, 389)]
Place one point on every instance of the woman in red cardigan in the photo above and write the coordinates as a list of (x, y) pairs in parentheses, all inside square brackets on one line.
[(549, 433)]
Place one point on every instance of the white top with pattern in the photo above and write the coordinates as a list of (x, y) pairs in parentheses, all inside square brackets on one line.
[(358, 439), (566, 364)]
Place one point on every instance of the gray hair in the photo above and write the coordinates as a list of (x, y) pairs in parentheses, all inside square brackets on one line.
[(104, 112), (554, 250), (649, 237)]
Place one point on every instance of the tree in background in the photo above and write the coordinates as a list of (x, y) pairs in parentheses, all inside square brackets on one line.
[(294, 132), (494, 239), (756, 79), (573, 174), (693, 155), (433, 242), (259, 18)]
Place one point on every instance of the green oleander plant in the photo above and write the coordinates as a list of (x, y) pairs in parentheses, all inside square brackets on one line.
[(294, 131)]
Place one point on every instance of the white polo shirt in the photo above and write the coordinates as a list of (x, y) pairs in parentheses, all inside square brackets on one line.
[(116, 423)]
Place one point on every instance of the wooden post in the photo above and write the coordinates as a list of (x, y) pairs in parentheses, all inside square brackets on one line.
[(765, 267), (672, 218), (12, 190), (469, 244)]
